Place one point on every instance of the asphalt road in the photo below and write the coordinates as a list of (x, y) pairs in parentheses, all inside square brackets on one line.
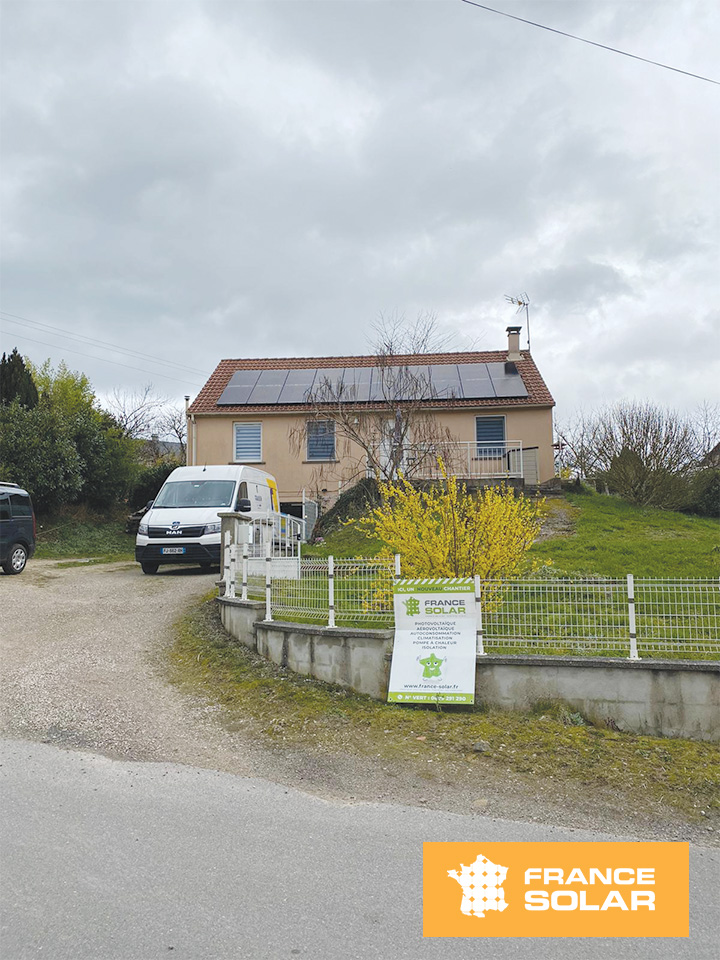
[(107, 859)]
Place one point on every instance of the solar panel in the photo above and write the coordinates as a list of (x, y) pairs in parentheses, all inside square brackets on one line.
[(239, 387), (445, 381), (328, 383), (476, 382), (268, 387), (356, 383), (380, 384), (510, 387), (297, 386), (506, 384)]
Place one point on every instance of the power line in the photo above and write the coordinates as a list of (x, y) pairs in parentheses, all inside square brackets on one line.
[(150, 373), (592, 43), (92, 340)]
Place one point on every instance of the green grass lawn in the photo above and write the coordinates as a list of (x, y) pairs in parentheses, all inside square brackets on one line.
[(612, 538), (80, 533), (601, 536), (345, 542)]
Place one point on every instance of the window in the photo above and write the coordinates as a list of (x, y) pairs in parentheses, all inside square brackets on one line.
[(20, 505), (4, 506), (195, 493), (321, 440), (248, 442), (490, 437)]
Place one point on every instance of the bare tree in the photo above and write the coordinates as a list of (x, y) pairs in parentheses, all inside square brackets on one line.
[(706, 425), (578, 444), (136, 412), (172, 423), (394, 432), (642, 451)]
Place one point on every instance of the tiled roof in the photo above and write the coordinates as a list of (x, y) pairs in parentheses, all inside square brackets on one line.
[(207, 400)]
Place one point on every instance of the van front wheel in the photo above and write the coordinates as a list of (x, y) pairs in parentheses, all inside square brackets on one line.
[(148, 567)]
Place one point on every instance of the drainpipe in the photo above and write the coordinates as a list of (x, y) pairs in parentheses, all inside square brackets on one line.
[(192, 434)]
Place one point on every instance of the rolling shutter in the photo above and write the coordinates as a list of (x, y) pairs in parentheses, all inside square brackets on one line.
[(490, 436), (248, 442), (321, 440)]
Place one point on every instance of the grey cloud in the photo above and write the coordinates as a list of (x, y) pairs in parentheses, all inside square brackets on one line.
[(220, 179)]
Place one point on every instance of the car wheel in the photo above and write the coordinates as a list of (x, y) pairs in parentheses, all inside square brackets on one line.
[(150, 568), (17, 558)]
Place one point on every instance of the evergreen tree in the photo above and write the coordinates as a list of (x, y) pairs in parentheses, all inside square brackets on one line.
[(16, 381)]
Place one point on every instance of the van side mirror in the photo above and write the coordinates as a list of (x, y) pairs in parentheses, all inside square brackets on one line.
[(243, 506), (149, 504)]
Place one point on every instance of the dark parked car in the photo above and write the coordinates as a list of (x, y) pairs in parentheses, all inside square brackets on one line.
[(17, 528)]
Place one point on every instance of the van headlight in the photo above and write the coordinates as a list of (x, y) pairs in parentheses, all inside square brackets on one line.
[(213, 527), (143, 529)]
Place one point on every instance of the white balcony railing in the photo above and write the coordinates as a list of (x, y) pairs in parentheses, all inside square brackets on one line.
[(500, 459)]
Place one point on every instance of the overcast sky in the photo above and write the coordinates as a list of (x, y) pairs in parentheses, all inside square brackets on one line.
[(222, 179)]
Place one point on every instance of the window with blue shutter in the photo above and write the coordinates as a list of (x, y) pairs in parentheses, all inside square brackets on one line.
[(248, 442), (321, 440), (489, 432)]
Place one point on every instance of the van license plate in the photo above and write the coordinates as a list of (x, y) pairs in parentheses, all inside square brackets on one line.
[(167, 550)]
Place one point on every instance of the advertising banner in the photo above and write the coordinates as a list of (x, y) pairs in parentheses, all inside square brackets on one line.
[(434, 653)]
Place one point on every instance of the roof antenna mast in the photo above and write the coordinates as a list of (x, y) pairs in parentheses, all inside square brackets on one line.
[(522, 303)]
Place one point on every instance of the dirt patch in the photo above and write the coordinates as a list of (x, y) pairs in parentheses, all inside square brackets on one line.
[(560, 520)]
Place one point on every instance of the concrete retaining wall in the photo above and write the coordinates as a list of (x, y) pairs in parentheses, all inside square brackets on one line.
[(669, 698)]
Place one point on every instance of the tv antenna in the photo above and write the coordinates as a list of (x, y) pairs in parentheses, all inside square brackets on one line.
[(522, 303)]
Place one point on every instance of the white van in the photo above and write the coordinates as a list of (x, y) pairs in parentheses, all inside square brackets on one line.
[(182, 523)]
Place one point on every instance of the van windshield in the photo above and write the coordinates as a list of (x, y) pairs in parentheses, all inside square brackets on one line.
[(196, 493)]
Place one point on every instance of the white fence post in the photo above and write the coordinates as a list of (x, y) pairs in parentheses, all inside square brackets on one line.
[(245, 571), (631, 614), (226, 562), (230, 585), (397, 566), (268, 582), (479, 635), (331, 591)]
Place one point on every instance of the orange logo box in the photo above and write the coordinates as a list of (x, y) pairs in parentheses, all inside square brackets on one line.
[(556, 889)]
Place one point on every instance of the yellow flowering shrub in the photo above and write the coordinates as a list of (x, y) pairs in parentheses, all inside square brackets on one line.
[(444, 531)]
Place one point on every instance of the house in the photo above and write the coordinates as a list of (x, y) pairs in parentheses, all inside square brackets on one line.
[(491, 410)]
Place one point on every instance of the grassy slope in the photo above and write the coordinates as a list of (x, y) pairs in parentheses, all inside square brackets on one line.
[(607, 537), (79, 532), (613, 538)]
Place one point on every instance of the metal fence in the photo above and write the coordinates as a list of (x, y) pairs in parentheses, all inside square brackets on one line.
[(337, 592), (605, 617)]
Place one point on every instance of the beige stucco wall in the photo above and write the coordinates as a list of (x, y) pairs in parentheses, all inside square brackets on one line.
[(213, 437)]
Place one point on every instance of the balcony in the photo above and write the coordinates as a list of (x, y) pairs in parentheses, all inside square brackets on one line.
[(498, 460)]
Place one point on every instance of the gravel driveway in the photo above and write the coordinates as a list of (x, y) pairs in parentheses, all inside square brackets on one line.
[(81, 663)]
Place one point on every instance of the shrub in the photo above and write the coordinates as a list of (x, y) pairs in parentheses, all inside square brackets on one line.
[(444, 531), (704, 493), (37, 450), (355, 502)]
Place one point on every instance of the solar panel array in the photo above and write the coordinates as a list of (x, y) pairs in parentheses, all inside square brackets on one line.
[(437, 381)]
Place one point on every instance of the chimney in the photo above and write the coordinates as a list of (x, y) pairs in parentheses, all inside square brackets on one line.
[(514, 343)]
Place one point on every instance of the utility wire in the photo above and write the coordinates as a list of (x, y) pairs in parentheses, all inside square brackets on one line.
[(92, 340), (592, 43), (150, 373)]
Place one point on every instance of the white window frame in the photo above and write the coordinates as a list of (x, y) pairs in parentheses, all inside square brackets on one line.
[(309, 459), (247, 423), (489, 443)]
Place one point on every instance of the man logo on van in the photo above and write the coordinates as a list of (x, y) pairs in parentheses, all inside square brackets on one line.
[(174, 529)]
